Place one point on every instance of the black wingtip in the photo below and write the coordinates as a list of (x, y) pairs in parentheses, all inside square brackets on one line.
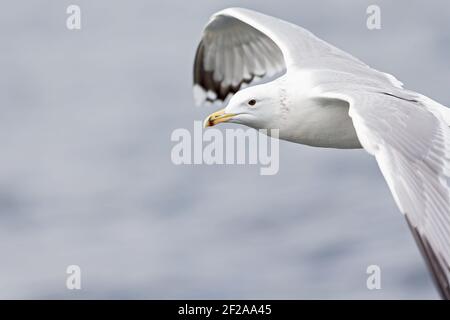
[(434, 264)]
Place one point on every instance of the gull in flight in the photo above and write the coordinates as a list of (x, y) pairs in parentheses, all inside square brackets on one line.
[(321, 96)]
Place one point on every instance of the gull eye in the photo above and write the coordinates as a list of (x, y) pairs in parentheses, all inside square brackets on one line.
[(252, 102)]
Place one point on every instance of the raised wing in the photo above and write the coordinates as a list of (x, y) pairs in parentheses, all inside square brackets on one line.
[(411, 142), (240, 46)]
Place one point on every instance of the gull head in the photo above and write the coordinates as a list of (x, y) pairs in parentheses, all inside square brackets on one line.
[(255, 107)]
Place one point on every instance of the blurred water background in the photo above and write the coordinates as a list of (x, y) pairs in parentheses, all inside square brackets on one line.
[(86, 176)]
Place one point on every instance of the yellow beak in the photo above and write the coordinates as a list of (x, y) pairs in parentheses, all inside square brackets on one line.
[(217, 117)]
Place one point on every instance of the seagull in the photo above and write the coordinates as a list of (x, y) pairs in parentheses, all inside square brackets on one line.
[(272, 74)]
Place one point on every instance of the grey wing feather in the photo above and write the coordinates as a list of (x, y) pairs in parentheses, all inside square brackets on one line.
[(410, 139)]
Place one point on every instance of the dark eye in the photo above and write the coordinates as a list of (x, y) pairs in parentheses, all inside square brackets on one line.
[(252, 102)]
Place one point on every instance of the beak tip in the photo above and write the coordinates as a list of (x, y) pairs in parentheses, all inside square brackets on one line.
[(207, 123), (217, 117)]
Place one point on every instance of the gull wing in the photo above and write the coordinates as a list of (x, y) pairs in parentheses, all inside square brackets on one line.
[(410, 139), (239, 46)]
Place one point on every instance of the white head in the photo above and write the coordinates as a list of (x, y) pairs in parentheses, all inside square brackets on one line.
[(256, 107)]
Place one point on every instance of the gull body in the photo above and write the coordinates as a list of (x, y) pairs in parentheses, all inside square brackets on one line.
[(319, 95)]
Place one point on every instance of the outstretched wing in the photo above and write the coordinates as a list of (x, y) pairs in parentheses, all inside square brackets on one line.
[(240, 46), (411, 142)]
